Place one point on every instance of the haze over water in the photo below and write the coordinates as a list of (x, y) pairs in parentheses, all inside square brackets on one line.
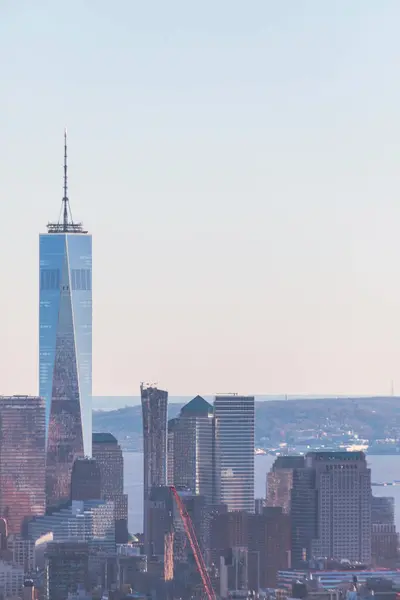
[(383, 468)]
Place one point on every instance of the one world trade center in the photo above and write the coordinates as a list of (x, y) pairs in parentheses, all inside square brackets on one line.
[(65, 352)]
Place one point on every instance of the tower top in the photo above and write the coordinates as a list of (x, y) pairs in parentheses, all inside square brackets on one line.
[(65, 223)]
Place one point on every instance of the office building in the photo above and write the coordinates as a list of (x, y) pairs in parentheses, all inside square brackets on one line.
[(269, 547), (154, 415), (172, 423), (22, 464), (304, 515), (90, 522), (22, 552), (67, 569), (235, 417), (280, 481), (161, 520), (195, 450), (28, 592), (234, 581), (195, 506), (384, 540), (228, 530), (11, 580), (65, 346), (343, 485), (108, 455), (382, 510), (85, 480)]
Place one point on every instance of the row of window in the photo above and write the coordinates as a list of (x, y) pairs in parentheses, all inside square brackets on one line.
[(81, 279)]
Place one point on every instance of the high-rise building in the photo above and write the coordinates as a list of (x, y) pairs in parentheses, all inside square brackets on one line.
[(384, 541), (172, 423), (65, 346), (235, 417), (269, 547), (196, 451), (160, 514), (280, 481), (85, 480), (382, 510), (304, 515), (109, 457), (154, 414), (343, 485), (67, 569), (22, 460)]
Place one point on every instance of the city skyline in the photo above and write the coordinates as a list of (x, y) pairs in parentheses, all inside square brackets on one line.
[(230, 198)]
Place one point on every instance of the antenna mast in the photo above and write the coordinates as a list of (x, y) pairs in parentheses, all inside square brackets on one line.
[(65, 223), (65, 197)]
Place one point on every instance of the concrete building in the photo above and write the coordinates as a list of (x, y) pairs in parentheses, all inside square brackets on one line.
[(196, 451), (22, 460), (280, 481), (235, 417), (343, 486), (109, 457), (154, 415)]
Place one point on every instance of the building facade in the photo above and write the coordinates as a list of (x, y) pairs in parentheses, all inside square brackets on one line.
[(67, 569), (196, 451), (154, 415), (65, 347), (172, 423), (304, 515), (22, 460), (384, 541), (108, 455), (280, 481), (85, 480), (343, 486), (235, 417)]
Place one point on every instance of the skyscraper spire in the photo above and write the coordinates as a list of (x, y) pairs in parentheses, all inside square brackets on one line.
[(65, 222), (65, 197)]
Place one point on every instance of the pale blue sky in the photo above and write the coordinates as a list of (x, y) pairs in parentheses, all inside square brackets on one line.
[(238, 166)]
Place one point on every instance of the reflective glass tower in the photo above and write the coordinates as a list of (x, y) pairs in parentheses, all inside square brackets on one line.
[(65, 354), (235, 416)]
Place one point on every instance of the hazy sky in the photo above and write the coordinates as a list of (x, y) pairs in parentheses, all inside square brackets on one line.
[(238, 164)]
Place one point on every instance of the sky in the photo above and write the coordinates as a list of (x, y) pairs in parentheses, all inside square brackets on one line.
[(237, 164)]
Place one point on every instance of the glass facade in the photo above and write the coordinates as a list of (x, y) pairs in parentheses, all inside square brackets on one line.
[(196, 451), (22, 464), (65, 365), (235, 416)]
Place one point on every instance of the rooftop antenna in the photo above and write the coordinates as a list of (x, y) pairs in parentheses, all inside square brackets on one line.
[(65, 197), (65, 222)]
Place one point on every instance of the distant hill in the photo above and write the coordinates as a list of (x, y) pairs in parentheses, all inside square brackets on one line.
[(279, 421)]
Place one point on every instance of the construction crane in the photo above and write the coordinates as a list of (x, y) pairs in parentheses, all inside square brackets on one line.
[(194, 544)]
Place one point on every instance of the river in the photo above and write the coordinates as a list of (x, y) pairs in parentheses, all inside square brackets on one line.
[(383, 468)]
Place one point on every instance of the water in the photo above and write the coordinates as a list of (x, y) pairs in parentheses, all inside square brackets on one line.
[(383, 468)]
